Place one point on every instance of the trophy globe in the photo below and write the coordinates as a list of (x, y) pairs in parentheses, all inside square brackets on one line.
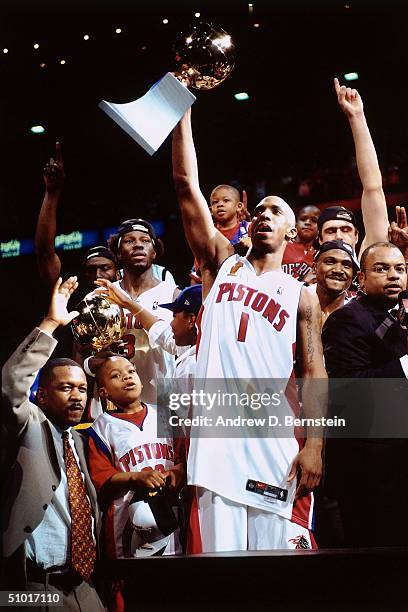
[(99, 322), (205, 56)]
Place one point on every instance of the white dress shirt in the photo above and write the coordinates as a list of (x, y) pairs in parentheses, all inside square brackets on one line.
[(49, 544)]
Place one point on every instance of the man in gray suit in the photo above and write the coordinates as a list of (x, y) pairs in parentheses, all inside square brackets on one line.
[(50, 517)]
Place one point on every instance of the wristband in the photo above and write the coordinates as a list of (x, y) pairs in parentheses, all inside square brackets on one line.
[(86, 367)]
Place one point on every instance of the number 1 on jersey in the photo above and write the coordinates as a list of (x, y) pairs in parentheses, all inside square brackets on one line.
[(243, 326)]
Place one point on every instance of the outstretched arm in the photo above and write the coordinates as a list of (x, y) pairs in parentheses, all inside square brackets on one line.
[(314, 393), (20, 370), (49, 264), (373, 204), (209, 246)]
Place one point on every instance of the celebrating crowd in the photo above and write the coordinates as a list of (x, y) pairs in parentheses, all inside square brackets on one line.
[(272, 298)]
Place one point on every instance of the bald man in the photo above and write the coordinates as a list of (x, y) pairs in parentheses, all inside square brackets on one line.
[(253, 313)]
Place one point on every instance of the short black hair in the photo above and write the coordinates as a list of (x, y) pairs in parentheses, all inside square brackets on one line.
[(367, 251), (102, 359), (231, 188), (46, 373)]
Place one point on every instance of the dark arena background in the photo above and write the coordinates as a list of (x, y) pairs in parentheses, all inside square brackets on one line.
[(59, 59)]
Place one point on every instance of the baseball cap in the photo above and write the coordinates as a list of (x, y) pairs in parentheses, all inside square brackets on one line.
[(99, 251), (343, 246), (139, 225), (189, 300), (336, 213)]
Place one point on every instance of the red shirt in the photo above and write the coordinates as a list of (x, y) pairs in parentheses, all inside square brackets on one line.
[(297, 259)]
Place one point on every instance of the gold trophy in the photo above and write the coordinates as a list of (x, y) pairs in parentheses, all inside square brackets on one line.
[(99, 322), (204, 57)]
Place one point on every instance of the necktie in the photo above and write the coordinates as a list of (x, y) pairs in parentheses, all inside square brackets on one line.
[(83, 553)]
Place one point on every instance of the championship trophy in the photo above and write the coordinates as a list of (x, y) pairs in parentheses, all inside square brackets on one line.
[(99, 322), (204, 58)]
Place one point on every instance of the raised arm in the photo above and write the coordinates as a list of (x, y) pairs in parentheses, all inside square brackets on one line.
[(209, 246), (314, 392), (49, 264), (373, 204), (20, 370)]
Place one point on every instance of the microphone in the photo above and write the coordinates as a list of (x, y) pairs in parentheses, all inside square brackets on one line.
[(403, 309)]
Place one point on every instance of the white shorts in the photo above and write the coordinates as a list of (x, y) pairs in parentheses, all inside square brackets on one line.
[(224, 525)]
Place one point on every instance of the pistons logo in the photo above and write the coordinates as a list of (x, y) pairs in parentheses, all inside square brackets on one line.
[(300, 542)]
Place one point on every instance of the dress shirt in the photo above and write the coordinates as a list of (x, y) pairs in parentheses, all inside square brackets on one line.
[(49, 544)]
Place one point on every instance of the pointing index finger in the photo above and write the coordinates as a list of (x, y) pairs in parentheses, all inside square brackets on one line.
[(58, 152), (336, 85)]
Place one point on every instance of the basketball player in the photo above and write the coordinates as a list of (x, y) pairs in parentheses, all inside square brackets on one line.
[(136, 247), (251, 310), (335, 266)]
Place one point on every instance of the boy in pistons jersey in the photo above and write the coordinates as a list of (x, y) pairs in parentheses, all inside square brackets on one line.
[(298, 256), (128, 461), (252, 315)]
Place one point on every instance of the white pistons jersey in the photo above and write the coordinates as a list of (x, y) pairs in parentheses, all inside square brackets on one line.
[(151, 363), (248, 331), (126, 443)]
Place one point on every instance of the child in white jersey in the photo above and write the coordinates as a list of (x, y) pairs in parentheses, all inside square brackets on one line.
[(130, 464)]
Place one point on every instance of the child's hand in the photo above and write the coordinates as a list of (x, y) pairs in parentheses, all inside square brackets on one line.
[(151, 479), (175, 478)]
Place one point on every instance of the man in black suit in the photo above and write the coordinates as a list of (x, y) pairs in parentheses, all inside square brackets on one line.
[(364, 340), (50, 518)]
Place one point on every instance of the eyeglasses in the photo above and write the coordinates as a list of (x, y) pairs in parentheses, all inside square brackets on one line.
[(383, 269)]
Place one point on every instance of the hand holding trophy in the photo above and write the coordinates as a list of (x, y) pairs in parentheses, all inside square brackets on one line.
[(99, 322), (204, 57)]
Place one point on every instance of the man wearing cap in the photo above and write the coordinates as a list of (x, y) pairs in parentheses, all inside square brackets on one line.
[(335, 265), (136, 247), (337, 222)]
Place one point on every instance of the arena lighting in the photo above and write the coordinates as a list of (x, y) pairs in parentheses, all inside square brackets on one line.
[(241, 96), (5, 50), (250, 8), (37, 129), (62, 62), (197, 15), (165, 21), (36, 46), (118, 31), (86, 36), (256, 25), (351, 76), (43, 65)]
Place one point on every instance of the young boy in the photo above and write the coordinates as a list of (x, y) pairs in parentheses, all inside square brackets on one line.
[(231, 218), (130, 464), (298, 256)]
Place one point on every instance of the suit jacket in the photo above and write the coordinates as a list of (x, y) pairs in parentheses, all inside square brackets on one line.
[(357, 344), (362, 341), (35, 473)]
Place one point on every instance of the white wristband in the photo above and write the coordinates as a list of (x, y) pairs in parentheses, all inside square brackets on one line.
[(86, 367)]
